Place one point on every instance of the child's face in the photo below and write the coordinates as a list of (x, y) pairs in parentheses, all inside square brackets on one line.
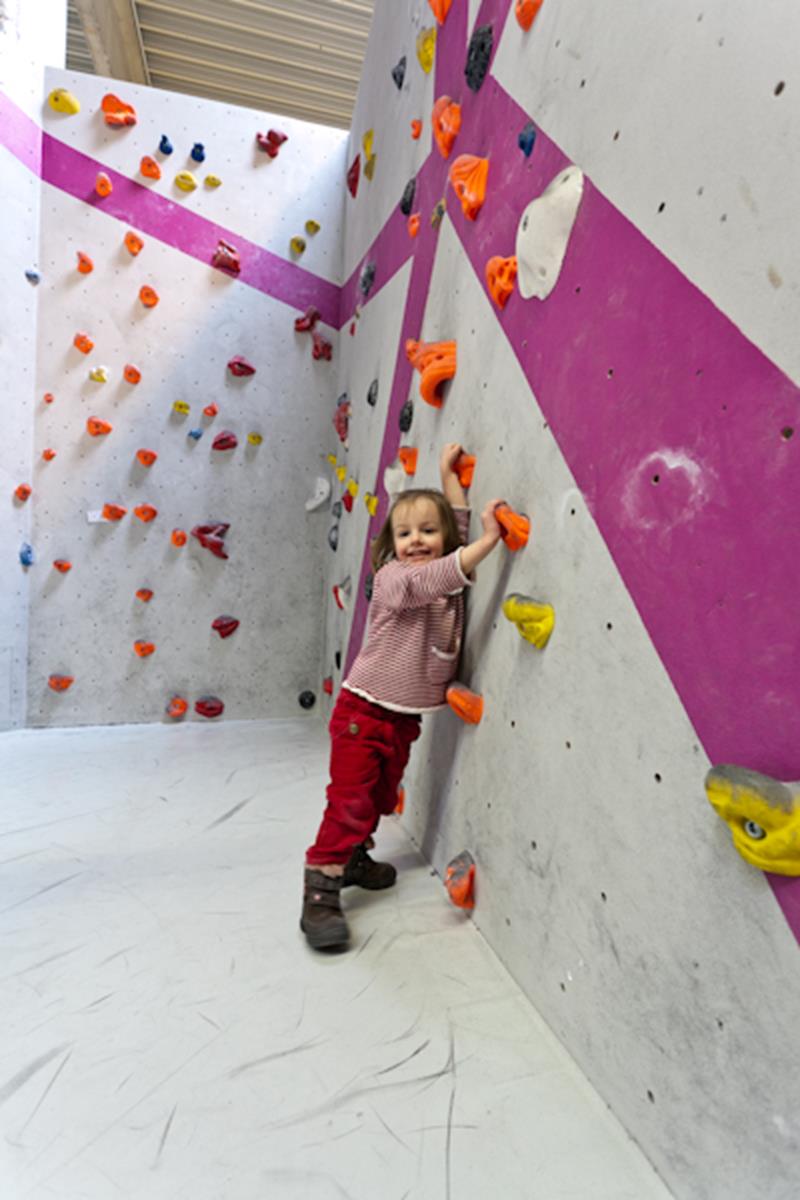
[(417, 530)]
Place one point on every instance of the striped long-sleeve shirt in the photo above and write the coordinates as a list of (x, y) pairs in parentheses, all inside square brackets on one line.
[(413, 640)]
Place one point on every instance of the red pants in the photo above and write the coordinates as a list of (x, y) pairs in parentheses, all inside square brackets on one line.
[(370, 746)]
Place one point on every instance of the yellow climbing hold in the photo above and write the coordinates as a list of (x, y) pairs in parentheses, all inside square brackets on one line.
[(99, 374), (181, 406), (352, 488), (186, 181), (533, 620), (62, 101), (332, 459), (763, 815), (212, 181), (367, 141), (371, 502), (341, 474), (255, 439), (313, 227), (369, 166), (297, 245), (426, 47)]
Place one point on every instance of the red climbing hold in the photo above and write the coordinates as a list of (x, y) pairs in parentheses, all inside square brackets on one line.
[(210, 410), (271, 141), (460, 880), (226, 258), (146, 457), (353, 175), (240, 366), (209, 706), (63, 565), (145, 513), (212, 537), (48, 397), (321, 347), (48, 455), (416, 129), (145, 595), (327, 685), (177, 707), (226, 440), (225, 626), (308, 320), (22, 491), (60, 683), (347, 501)]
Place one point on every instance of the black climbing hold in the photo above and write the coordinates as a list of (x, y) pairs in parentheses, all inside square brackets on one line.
[(406, 416), (372, 394), (338, 660), (478, 55), (407, 202), (367, 278), (306, 699), (333, 536), (368, 586), (336, 509), (399, 72)]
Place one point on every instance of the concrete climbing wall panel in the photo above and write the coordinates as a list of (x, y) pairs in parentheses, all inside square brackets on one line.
[(86, 622)]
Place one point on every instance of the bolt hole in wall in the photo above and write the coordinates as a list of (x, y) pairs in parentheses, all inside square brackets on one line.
[(650, 1096), (787, 432), (779, 87)]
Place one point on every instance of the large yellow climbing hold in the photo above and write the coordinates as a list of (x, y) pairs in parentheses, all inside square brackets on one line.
[(180, 406), (534, 621), (762, 814), (312, 227), (62, 101), (341, 474), (426, 48), (186, 181), (352, 488), (371, 502)]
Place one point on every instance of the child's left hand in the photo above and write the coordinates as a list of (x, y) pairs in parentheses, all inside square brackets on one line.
[(447, 458)]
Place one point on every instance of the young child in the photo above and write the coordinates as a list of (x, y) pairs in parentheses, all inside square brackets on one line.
[(422, 566)]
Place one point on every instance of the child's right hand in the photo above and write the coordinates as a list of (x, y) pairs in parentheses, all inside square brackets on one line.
[(491, 526)]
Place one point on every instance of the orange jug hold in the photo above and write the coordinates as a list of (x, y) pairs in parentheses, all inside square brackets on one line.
[(527, 11), (148, 296), (83, 342), (103, 185), (445, 123), (144, 649), (408, 456), (113, 512), (436, 363), (133, 243), (96, 427), (132, 374), (501, 275), (85, 264), (116, 113), (145, 512), (460, 880), (149, 168), (464, 467), (465, 704), (514, 527), (60, 683), (468, 175), (146, 457)]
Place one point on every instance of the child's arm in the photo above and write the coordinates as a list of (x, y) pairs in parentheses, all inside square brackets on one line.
[(477, 551), (453, 491)]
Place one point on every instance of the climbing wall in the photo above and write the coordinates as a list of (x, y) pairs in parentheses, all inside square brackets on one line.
[(196, 407), (642, 413)]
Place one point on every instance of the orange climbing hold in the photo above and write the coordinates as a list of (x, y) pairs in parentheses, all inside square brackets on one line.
[(413, 224), (145, 513), (117, 114), (464, 467), (48, 455), (81, 342), (177, 707), (446, 123), (468, 176), (150, 168), (63, 565), (103, 185), (60, 683), (148, 296), (144, 649), (501, 275), (178, 537), (113, 512), (85, 264), (436, 363), (96, 427), (48, 397), (133, 243), (408, 456), (145, 595), (527, 12), (22, 491), (465, 704), (146, 457), (460, 880), (399, 808), (131, 373), (416, 129), (210, 410), (515, 527), (440, 9)]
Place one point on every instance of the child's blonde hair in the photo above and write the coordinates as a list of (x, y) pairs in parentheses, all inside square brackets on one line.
[(382, 548)]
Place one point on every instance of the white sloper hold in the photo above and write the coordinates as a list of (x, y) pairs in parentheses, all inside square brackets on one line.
[(322, 490), (543, 234), (394, 480)]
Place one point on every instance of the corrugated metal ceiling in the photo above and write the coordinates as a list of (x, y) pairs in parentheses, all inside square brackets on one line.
[(301, 58)]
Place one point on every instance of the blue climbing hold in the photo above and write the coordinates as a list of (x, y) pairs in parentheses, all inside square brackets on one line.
[(165, 145), (198, 152), (26, 554), (527, 137), (196, 434), (33, 276)]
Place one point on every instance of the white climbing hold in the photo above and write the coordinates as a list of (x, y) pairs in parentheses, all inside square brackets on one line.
[(543, 234)]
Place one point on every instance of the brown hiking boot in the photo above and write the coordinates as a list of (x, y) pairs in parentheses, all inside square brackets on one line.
[(362, 871), (323, 921)]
